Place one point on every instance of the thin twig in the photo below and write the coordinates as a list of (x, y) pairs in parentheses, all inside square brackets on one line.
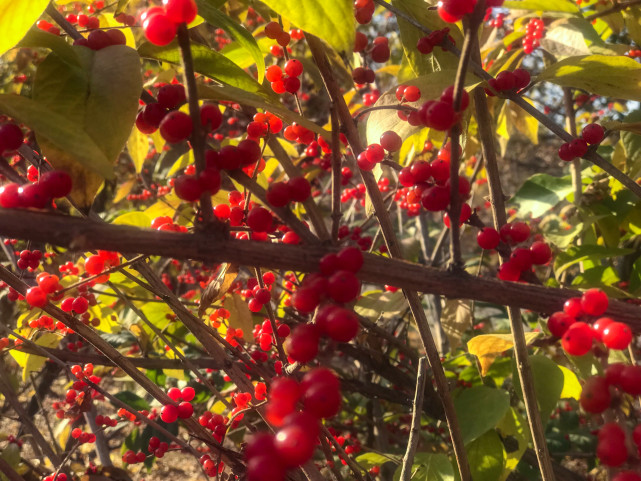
[(394, 250), (336, 175), (576, 163), (415, 429), (197, 135), (367, 110), (497, 201)]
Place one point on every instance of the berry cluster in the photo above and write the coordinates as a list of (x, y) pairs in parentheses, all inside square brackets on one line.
[(296, 189), (51, 185), (534, 32), (270, 456), (262, 124), (274, 31), (182, 408), (99, 39), (426, 44), (166, 223), (28, 259), (440, 114), (507, 81), (522, 259), (290, 83), (160, 24), (364, 11), (592, 134)]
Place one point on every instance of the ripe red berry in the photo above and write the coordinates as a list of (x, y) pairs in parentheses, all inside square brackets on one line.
[(612, 452), (595, 396), (210, 116), (176, 126), (299, 189), (171, 96), (630, 380), (488, 238), (559, 323), (438, 115), (209, 180), (188, 188), (305, 299), (435, 198), (56, 183), (617, 335), (350, 259), (302, 343), (80, 305), (577, 340), (391, 141), (322, 400), (181, 11), (519, 232), (593, 133), (188, 393), (36, 297), (159, 29), (273, 73), (572, 307), (295, 445), (541, 253), (293, 67), (594, 302), (599, 327), (521, 78), (627, 476), (10, 196), (185, 410), (578, 148), (265, 467), (169, 413), (344, 286), (174, 394), (339, 323), (11, 137), (508, 271), (260, 219), (278, 194), (448, 96)]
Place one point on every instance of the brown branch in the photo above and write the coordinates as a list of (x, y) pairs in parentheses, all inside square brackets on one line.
[(576, 163), (415, 429), (497, 200), (336, 175), (81, 235), (394, 249)]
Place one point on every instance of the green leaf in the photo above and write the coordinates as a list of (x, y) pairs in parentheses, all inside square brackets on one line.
[(132, 400), (479, 409), (207, 62), (548, 384), (157, 376), (37, 38), (610, 76), (55, 129), (16, 17), (540, 193), (575, 254), (429, 467), (228, 92), (438, 59), (543, 5), (137, 219), (333, 21), (379, 303), (431, 86), (209, 11), (487, 457), (369, 460), (99, 100), (32, 362), (235, 52)]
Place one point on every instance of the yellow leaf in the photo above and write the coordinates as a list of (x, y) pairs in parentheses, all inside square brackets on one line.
[(31, 362), (571, 386), (240, 317), (16, 17), (456, 318), (488, 346), (123, 190), (138, 147), (217, 288)]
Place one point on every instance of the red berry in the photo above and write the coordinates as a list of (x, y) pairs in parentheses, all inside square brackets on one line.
[(448, 96), (11, 137), (578, 147), (210, 116), (185, 410), (169, 413), (80, 305), (188, 393), (350, 259), (340, 324), (541, 253), (594, 302), (305, 300), (595, 396), (295, 445), (36, 297), (593, 133), (522, 78), (435, 198), (573, 307), (260, 219), (56, 183), (599, 327), (577, 340), (612, 452), (278, 194), (10, 196), (159, 29), (617, 335), (176, 126), (265, 467), (322, 400), (209, 180), (509, 272), (627, 476), (559, 323), (171, 96), (181, 11), (174, 394), (391, 141), (344, 286), (299, 189), (302, 343), (488, 238), (438, 115), (412, 93), (630, 380), (293, 67), (519, 232), (273, 73), (188, 188), (565, 153)]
